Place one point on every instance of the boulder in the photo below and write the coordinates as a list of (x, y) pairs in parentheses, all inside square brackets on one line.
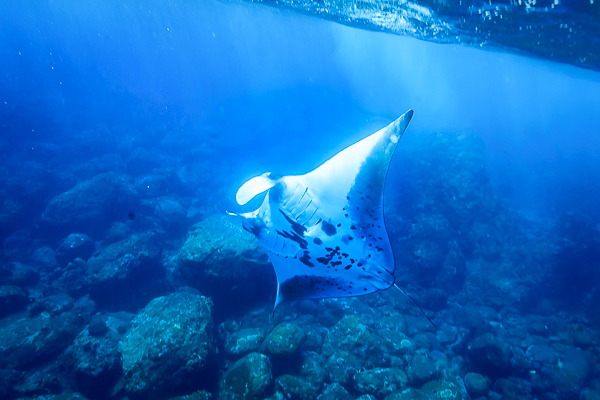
[(221, 259), (295, 388), (93, 360), (91, 206), (26, 343), (247, 379), (421, 370), (12, 300), (442, 389), (513, 388), (17, 274), (284, 340), (571, 373), (76, 245), (72, 278), (244, 341), (44, 258), (477, 385), (199, 395), (312, 370), (126, 273), (168, 346), (341, 367), (349, 334), (490, 355), (335, 392), (380, 382)]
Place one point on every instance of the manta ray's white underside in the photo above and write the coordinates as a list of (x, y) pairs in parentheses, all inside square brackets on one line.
[(324, 231)]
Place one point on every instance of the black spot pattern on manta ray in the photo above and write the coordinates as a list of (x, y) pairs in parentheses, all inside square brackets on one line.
[(293, 236), (328, 228), (317, 241), (314, 286), (297, 233), (305, 259), (298, 228), (347, 238)]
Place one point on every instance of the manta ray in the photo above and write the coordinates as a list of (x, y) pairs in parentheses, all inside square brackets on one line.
[(324, 231)]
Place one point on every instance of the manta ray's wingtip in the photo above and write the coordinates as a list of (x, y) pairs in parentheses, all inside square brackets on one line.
[(405, 118), (396, 128)]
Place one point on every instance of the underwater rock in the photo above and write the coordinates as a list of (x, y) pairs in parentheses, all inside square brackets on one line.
[(244, 341), (44, 258), (63, 396), (380, 382), (247, 379), (36, 381), (76, 245), (284, 340), (406, 394), (421, 370), (570, 374), (73, 278), (168, 346), (335, 391), (341, 367), (18, 246), (118, 231), (395, 343), (447, 335), (199, 395), (331, 310), (442, 389), (93, 360), (295, 388), (314, 340), (541, 326), (540, 355), (476, 385), (220, 259), (433, 299), (90, 206), (12, 300), (29, 342), (12, 210), (98, 165), (141, 161), (312, 370), (426, 340), (513, 388), (126, 272), (171, 211), (589, 394), (490, 355), (349, 334), (8, 379), (161, 181), (418, 324)]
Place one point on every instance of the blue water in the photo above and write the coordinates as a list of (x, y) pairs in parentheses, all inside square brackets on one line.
[(215, 93)]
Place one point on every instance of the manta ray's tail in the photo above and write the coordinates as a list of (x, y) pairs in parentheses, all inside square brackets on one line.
[(418, 306)]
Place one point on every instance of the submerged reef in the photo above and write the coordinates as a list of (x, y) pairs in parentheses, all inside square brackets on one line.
[(130, 285)]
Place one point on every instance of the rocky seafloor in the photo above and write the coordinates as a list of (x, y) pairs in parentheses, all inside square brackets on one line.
[(118, 280)]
